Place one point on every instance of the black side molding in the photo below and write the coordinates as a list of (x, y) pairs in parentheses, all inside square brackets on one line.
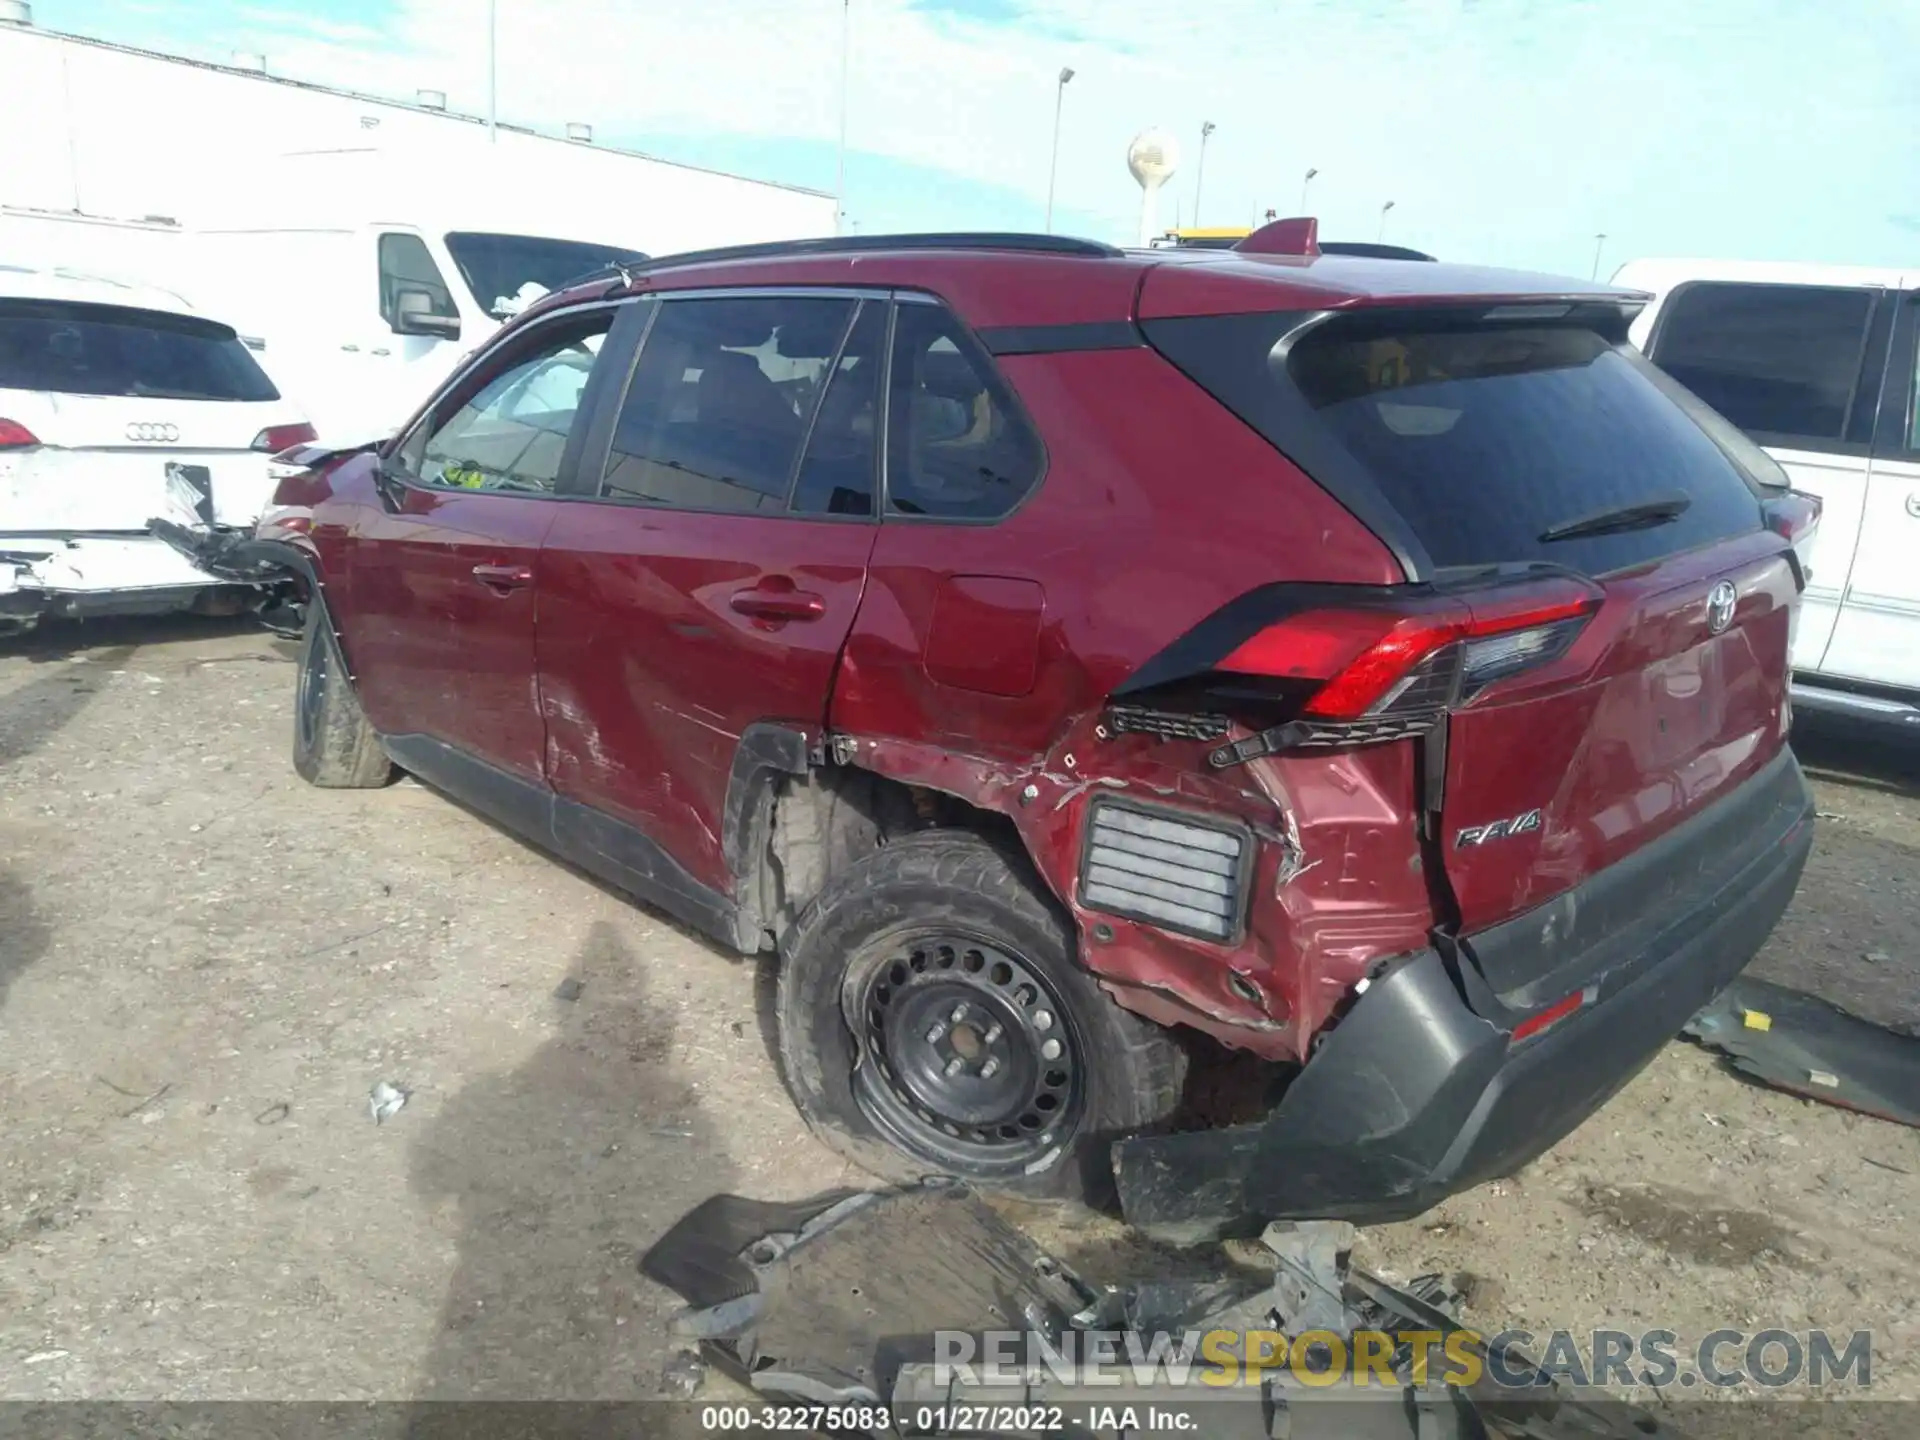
[(1056, 339)]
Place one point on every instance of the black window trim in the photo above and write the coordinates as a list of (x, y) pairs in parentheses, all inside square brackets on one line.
[(476, 373), (1863, 386), (1893, 428), (827, 377), (1018, 407)]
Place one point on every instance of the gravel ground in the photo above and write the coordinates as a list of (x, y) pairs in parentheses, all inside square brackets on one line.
[(205, 965)]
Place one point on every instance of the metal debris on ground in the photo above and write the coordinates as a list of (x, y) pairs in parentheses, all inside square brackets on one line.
[(1809, 1047), (858, 1298), (385, 1101)]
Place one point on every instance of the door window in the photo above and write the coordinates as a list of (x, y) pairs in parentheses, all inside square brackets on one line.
[(1780, 361), (406, 264), (837, 472), (718, 407), (511, 433), (958, 449)]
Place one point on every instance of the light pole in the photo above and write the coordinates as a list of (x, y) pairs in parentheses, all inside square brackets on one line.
[(1599, 243), (1304, 184), (1383, 219), (1053, 165), (493, 67), (1207, 128), (840, 156)]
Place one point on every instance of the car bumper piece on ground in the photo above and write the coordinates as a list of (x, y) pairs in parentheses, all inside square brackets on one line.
[(1417, 1093)]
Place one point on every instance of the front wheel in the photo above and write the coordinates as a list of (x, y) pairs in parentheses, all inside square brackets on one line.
[(333, 745), (932, 1021)]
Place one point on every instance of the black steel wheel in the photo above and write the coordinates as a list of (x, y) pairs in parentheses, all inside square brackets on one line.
[(971, 1058), (934, 1020)]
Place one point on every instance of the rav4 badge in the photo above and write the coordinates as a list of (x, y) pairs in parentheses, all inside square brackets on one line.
[(1524, 824)]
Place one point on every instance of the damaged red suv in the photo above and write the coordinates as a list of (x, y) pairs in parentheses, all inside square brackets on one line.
[(1055, 652)]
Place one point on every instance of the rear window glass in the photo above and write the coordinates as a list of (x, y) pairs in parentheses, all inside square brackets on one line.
[(74, 349), (1488, 442)]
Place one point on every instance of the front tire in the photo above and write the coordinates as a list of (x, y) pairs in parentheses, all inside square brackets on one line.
[(932, 1020), (333, 745)]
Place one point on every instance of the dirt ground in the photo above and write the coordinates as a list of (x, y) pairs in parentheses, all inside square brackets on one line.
[(205, 965)]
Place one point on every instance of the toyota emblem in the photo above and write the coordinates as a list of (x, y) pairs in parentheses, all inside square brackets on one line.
[(1720, 602), (143, 430)]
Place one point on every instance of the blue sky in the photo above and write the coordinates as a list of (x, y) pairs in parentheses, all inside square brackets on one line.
[(1503, 131)]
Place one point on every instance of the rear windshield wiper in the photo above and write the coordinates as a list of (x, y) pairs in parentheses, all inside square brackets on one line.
[(1640, 516)]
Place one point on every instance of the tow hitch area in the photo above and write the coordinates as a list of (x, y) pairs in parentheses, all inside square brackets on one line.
[(921, 1311)]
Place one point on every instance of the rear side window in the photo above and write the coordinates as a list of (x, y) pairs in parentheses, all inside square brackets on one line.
[(957, 447), (1487, 442), (1780, 361), (75, 349), (718, 407)]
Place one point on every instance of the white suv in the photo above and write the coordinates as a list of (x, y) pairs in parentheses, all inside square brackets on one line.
[(1817, 364), (119, 406)]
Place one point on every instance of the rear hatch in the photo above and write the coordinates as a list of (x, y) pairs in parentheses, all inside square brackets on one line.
[(1592, 645), (102, 397)]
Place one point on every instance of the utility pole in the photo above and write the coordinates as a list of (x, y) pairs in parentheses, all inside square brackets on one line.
[(840, 160), (1599, 243), (493, 71), (1053, 165), (1200, 170)]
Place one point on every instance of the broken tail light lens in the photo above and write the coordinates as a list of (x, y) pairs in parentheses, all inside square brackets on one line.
[(15, 436), (1379, 673), (277, 438)]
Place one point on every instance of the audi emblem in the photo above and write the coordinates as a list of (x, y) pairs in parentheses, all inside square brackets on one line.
[(1720, 602), (142, 430)]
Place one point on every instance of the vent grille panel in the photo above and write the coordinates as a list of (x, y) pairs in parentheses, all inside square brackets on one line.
[(1169, 872)]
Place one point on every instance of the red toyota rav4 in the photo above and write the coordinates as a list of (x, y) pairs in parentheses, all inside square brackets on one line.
[(1053, 651)]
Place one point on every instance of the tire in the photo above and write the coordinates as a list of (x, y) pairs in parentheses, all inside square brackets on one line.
[(333, 745), (968, 927)]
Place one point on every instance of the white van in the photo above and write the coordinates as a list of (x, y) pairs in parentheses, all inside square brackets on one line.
[(361, 321), (1817, 363)]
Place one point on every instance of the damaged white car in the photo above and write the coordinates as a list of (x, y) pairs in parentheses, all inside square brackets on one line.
[(121, 407)]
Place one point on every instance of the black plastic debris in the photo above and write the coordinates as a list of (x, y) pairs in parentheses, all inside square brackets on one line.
[(1800, 1043)]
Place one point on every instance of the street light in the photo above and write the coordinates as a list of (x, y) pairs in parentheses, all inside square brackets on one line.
[(1383, 219), (1207, 128), (1053, 165), (840, 161), (493, 51), (1599, 243), (1303, 189)]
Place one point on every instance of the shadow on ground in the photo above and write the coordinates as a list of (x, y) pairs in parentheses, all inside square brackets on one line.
[(561, 1172)]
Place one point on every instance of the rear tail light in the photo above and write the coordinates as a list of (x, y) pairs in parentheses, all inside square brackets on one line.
[(1794, 515), (276, 438), (15, 436), (1378, 671)]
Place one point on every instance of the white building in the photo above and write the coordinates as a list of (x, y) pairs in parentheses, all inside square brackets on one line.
[(109, 131)]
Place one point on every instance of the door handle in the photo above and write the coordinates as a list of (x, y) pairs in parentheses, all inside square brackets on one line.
[(502, 578), (782, 603)]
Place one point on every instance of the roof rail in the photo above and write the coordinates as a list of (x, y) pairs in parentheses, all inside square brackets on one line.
[(860, 244)]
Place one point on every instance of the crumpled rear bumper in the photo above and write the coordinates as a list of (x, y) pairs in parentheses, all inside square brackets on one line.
[(1421, 1091), (47, 576)]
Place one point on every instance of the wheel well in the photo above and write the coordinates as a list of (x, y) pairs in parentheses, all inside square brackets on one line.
[(820, 822)]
